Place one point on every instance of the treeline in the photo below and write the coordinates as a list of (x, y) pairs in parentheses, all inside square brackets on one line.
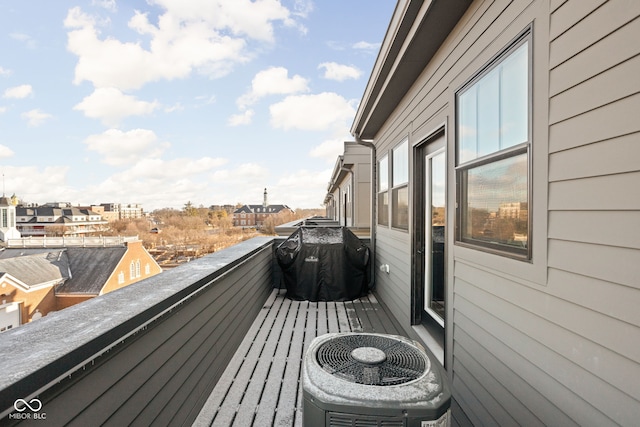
[(202, 229)]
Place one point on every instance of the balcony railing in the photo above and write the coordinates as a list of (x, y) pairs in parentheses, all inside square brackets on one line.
[(146, 354), (210, 342)]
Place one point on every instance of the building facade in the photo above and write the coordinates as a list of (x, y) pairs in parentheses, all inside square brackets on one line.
[(251, 216), (8, 229), (50, 220), (116, 211), (35, 282), (348, 198), (506, 143)]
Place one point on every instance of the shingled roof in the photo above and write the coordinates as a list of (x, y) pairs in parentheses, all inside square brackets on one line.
[(74, 270), (91, 268), (36, 267)]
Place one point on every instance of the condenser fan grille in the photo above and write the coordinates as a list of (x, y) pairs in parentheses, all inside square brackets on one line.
[(371, 360)]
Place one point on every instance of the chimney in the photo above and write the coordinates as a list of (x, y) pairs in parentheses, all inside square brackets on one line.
[(265, 203)]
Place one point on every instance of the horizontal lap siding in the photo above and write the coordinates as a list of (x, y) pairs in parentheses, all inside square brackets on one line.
[(559, 350), (164, 376), (593, 287), (394, 288)]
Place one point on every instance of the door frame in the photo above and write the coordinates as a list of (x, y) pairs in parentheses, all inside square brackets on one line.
[(418, 236)]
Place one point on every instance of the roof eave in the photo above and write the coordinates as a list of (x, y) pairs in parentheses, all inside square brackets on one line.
[(417, 30)]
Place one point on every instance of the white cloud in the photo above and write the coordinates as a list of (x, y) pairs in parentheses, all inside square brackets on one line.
[(110, 5), (243, 183), (339, 72), (372, 47), (18, 92), (205, 36), (3, 110), (26, 183), (324, 111), (4, 72), (328, 150), (302, 8), (120, 148), (303, 188), (36, 117), (241, 119), (5, 152), (29, 42), (272, 81), (175, 107), (253, 19), (169, 170), (110, 105)]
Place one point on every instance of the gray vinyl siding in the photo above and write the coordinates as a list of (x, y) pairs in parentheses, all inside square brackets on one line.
[(553, 341), (394, 288), (164, 373)]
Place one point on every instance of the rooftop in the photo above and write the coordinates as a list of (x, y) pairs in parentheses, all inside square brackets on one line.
[(213, 342)]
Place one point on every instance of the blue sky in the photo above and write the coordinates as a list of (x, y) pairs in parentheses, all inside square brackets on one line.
[(161, 102)]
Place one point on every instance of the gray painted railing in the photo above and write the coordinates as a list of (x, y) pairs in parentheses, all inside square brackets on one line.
[(147, 354)]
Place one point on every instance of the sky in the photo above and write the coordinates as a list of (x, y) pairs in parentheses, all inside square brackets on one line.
[(164, 102)]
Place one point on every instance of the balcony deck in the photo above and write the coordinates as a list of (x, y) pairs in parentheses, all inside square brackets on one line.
[(261, 385)]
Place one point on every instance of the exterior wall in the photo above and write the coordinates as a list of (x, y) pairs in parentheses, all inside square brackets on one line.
[(135, 252), (362, 193), (546, 342), (356, 184), (41, 300), (63, 302)]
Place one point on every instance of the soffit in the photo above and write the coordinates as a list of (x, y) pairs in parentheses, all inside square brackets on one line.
[(417, 30)]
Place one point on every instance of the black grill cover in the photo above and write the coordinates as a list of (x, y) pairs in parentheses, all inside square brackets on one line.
[(324, 264)]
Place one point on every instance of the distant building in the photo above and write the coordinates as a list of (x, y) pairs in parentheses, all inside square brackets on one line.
[(8, 228), (58, 219), (255, 215), (116, 211), (38, 281)]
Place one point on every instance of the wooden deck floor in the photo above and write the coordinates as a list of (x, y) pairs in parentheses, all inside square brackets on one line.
[(261, 386)]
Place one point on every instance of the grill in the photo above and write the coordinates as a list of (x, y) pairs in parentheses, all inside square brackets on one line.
[(372, 360)]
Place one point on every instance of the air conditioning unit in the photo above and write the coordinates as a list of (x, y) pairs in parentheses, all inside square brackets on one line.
[(361, 379)]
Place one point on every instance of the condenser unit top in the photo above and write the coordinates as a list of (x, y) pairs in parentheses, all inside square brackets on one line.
[(371, 370)]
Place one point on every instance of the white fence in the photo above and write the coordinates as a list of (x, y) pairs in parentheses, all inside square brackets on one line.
[(84, 241)]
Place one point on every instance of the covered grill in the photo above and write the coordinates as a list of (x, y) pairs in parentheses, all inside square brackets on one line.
[(324, 264)]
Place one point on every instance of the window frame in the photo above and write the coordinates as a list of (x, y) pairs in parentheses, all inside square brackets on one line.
[(510, 152), (396, 188), (383, 191)]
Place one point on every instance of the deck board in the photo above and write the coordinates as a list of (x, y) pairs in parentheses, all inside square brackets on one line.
[(261, 386)]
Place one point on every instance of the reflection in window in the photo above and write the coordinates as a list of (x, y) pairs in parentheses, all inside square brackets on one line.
[(400, 207), (495, 210), (493, 149), (401, 164), (383, 208), (400, 190), (493, 113), (383, 191)]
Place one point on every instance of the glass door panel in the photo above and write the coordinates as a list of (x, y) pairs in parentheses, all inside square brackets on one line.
[(435, 235)]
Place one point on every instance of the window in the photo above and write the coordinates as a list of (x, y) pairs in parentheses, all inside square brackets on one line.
[(121, 278), (132, 270), (383, 191), (493, 155), (400, 187), (147, 269), (138, 268)]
